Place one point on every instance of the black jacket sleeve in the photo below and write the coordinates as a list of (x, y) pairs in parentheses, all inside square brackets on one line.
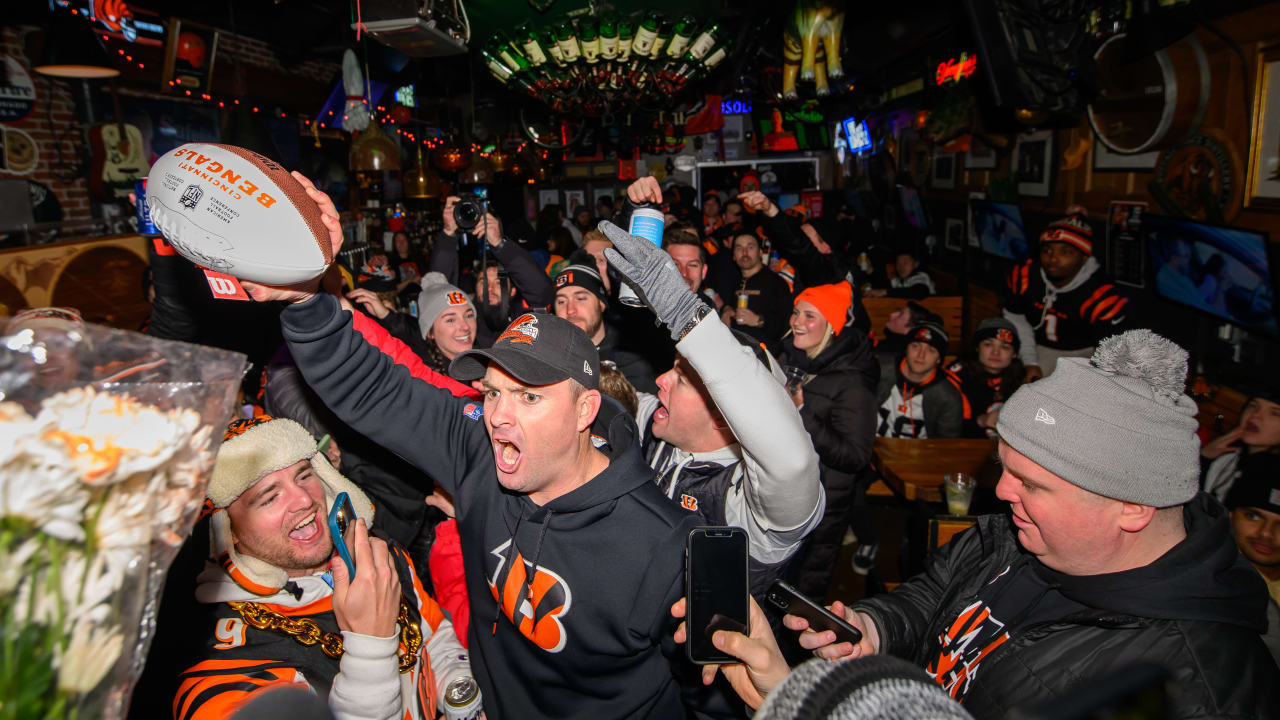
[(379, 398), (529, 279), (444, 257), (778, 311), (844, 438), (812, 267), (175, 309)]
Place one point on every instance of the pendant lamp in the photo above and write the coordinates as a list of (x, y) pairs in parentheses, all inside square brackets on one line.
[(480, 172), (422, 182), (373, 151), (452, 156), (73, 50)]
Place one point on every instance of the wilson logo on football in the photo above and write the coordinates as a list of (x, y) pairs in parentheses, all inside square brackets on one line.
[(225, 286)]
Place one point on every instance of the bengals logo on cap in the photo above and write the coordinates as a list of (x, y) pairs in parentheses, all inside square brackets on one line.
[(242, 425), (924, 334), (1004, 335), (563, 279), (523, 330), (456, 298)]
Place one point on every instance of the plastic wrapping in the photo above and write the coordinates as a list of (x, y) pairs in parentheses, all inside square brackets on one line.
[(107, 439)]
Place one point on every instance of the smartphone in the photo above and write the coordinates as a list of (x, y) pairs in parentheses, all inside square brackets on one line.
[(789, 600), (342, 523), (716, 588)]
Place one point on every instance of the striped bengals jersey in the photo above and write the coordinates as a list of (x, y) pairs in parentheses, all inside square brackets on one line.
[(1078, 315), (234, 661)]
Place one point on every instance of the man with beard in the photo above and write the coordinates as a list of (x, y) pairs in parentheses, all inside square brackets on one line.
[(572, 556), (581, 298)]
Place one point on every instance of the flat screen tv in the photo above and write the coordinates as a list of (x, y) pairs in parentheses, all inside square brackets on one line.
[(1222, 271), (856, 134), (1000, 229), (912, 207)]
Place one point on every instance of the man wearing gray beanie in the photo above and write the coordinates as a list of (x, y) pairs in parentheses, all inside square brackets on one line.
[(1108, 557)]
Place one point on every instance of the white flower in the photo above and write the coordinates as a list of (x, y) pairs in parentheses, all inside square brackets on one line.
[(43, 491), (13, 565), (124, 520), (90, 655), (83, 589)]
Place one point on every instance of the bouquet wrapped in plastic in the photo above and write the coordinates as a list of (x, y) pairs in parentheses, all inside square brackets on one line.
[(107, 439)]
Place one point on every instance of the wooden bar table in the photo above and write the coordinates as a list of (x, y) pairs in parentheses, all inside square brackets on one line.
[(913, 469)]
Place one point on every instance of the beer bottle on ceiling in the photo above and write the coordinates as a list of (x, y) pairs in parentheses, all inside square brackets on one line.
[(608, 35), (509, 52), (681, 37), (646, 34), (568, 41), (665, 31), (589, 39), (531, 43), (498, 68), (626, 35), (706, 41), (553, 48)]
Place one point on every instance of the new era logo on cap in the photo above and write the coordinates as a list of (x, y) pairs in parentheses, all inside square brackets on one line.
[(1044, 417), (586, 368)]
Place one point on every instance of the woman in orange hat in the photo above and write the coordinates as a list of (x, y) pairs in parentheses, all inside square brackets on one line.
[(834, 375)]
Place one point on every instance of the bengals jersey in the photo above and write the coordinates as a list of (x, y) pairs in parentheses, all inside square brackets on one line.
[(1080, 314)]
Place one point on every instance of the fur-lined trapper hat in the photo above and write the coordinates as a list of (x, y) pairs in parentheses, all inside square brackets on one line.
[(252, 449)]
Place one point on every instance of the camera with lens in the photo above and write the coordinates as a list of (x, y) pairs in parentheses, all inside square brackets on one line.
[(469, 211)]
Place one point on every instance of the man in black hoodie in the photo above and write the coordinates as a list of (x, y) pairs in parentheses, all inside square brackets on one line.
[(1108, 558), (572, 556)]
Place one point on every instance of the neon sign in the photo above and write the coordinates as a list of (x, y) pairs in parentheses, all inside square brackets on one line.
[(735, 107), (953, 70)]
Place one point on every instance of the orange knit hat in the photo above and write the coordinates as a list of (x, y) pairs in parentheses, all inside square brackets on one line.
[(832, 301)]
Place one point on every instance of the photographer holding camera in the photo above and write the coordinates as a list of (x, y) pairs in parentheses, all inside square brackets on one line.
[(503, 289)]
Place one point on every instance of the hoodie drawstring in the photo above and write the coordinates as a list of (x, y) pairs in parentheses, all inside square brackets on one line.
[(507, 560), (526, 588)]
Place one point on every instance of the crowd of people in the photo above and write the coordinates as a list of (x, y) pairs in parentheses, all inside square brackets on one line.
[(525, 455)]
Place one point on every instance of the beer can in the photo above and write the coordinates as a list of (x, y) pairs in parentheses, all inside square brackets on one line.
[(462, 699), (742, 301), (649, 223), (145, 226)]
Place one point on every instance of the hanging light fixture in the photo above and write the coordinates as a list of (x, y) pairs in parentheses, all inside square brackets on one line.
[(373, 151), (480, 172), (73, 50), (422, 182), (451, 156)]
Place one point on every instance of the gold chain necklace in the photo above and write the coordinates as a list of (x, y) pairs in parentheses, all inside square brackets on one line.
[(307, 632)]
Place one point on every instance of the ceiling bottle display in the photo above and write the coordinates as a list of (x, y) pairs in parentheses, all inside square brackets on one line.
[(608, 35), (665, 31), (589, 39), (681, 37), (531, 43), (646, 34), (706, 41), (567, 41)]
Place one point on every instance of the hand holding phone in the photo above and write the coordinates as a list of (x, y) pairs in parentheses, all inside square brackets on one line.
[(716, 585), (792, 602)]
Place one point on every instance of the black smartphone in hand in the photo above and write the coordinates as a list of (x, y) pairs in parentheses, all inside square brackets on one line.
[(789, 600), (716, 590)]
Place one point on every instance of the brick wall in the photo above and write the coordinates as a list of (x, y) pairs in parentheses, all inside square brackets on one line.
[(258, 54), (73, 195)]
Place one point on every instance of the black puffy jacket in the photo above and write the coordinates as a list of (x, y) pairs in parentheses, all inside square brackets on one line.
[(839, 414), (1197, 610)]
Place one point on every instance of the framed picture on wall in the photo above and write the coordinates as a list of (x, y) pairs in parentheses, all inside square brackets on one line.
[(1033, 163), (572, 199), (981, 156), (971, 230), (954, 239), (1107, 160), (548, 197), (1263, 187), (190, 50), (599, 193), (944, 171)]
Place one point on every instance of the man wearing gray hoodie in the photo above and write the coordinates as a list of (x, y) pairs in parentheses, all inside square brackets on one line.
[(1063, 304)]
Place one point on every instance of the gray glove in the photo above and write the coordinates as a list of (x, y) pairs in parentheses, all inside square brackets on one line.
[(649, 270)]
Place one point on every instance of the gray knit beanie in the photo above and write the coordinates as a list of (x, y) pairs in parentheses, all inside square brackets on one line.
[(1117, 424), (437, 296), (876, 687)]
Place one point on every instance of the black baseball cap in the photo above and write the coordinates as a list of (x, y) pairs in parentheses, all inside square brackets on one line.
[(537, 349)]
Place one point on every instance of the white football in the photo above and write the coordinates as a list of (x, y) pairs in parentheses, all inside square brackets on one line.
[(232, 210)]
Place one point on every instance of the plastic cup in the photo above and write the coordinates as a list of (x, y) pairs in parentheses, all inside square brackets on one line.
[(959, 492)]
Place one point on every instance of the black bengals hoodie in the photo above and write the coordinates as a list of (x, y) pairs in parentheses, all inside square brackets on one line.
[(586, 581)]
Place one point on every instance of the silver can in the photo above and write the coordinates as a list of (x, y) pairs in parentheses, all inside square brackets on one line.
[(647, 222), (462, 699)]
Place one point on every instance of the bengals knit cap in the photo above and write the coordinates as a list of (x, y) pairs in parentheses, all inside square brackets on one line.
[(582, 272), (931, 333), (437, 296), (1073, 230), (832, 301), (1117, 424), (1000, 329), (536, 349)]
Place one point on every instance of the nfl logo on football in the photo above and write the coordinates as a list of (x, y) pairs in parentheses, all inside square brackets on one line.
[(191, 196)]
